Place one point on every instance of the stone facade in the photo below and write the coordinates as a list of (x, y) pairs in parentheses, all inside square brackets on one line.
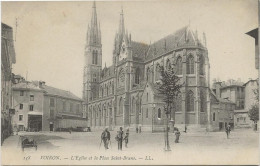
[(39, 107), (7, 60), (242, 95), (124, 94)]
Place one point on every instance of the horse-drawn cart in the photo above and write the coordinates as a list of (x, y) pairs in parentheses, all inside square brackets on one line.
[(27, 142)]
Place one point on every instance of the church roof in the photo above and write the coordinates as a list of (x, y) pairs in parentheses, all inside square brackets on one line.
[(139, 50), (182, 37)]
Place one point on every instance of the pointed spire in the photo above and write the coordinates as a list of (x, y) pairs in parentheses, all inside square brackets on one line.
[(121, 23), (94, 34), (204, 39)]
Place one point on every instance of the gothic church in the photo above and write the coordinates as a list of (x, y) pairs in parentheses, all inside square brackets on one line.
[(124, 94)]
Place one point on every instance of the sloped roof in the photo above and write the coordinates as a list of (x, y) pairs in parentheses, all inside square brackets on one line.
[(139, 50), (220, 99), (47, 89), (182, 37), (59, 92), (26, 85)]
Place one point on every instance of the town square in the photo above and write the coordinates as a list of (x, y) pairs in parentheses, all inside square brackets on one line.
[(121, 82)]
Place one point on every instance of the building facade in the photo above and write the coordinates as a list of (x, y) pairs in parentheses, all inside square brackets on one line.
[(39, 107), (124, 94), (242, 94), (7, 60)]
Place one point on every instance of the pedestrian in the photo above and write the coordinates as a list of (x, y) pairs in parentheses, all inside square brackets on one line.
[(185, 129), (177, 134), (119, 138), (105, 137), (140, 129), (136, 129), (228, 129), (126, 137)]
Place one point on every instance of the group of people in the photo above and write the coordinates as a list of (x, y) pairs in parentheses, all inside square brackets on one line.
[(120, 137)]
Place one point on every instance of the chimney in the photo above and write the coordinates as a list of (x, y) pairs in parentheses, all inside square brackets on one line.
[(41, 84)]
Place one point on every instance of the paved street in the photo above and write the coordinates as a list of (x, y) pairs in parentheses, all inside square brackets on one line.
[(194, 148)]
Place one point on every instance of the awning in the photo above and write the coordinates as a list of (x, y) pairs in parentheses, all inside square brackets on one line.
[(35, 113)]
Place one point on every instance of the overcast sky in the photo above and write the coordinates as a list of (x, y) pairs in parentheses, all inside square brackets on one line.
[(51, 36)]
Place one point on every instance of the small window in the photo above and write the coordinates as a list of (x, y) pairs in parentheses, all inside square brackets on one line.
[(77, 108), (52, 102), (21, 106), (20, 117), (64, 106), (21, 93), (159, 113), (147, 113), (31, 97), (237, 119), (31, 107), (71, 107), (214, 118)]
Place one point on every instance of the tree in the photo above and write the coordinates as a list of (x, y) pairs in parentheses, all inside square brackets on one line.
[(253, 112), (169, 87)]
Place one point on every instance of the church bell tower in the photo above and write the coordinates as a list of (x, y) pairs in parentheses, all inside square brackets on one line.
[(93, 58)]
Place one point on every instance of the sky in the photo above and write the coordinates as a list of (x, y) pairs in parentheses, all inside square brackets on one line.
[(51, 36)]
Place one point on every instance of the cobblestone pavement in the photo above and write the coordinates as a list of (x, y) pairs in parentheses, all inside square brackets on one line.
[(194, 148)]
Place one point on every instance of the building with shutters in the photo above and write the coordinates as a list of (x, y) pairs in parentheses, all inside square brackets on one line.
[(39, 107)]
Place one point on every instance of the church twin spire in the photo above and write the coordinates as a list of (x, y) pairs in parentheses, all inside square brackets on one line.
[(94, 32)]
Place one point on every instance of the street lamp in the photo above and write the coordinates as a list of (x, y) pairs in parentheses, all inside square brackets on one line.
[(153, 118)]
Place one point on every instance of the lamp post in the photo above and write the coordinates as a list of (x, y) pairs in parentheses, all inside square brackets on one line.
[(153, 118)]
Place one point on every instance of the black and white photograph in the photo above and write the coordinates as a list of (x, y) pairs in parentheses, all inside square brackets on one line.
[(152, 82)]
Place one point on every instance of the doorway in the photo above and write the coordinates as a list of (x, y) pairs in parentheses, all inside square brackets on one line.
[(35, 123), (51, 126)]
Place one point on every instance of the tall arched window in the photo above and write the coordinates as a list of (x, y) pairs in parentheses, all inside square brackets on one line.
[(157, 72), (179, 66), (159, 113), (202, 102), (137, 76), (190, 102), (201, 65), (179, 102), (147, 97), (121, 106), (107, 90), (102, 91), (94, 57), (133, 105), (112, 88), (168, 64), (147, 74), (121, 77), (214, 116), (190, 65)]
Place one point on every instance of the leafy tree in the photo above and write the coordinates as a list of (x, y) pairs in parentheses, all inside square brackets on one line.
[(253, 113), (169, 87)]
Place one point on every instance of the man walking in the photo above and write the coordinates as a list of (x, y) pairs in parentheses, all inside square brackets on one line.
[(177, 134), (228, 129), (105, 137), (119, 138), (126, 137)]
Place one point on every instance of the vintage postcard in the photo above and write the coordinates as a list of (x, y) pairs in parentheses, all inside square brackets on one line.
[(164, 82)]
